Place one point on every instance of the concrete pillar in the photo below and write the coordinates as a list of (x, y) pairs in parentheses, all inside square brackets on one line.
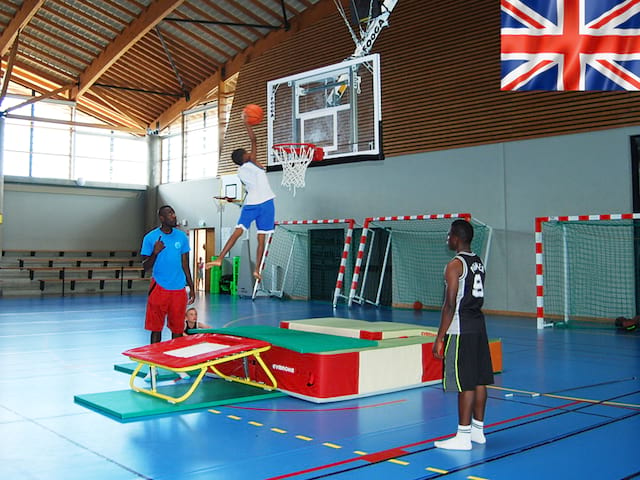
[(151, 201), (2, 126)]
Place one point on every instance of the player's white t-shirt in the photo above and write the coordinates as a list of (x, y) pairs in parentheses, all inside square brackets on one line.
[(255, 181)]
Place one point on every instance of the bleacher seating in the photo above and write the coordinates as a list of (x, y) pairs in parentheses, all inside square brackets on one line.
[(61, 272)]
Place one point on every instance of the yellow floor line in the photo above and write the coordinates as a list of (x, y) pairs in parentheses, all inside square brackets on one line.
[(471, 477), (302, 437), (436, 470), (359, 452), (256, 424), (331, 445), (278, 430), (398, 462), (233, 417), (214, 411)]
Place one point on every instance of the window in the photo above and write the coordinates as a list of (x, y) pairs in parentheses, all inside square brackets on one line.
[(58, 149), (171, 156), (201, 144), (198, 129)]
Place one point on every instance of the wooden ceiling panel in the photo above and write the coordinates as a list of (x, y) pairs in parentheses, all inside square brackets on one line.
[(163, 55)]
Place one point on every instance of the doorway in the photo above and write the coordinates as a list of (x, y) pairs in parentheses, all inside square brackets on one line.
[(203, 248)]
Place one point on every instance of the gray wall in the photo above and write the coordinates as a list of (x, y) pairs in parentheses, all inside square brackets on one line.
[(504, 185), (52, 217)]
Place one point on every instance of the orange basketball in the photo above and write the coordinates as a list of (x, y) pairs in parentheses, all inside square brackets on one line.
[(253, 113)]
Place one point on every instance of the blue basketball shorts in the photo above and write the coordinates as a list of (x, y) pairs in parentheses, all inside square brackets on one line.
[(264, 214)]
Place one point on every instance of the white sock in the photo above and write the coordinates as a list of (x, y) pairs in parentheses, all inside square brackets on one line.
[(477, 431), (461, 441)]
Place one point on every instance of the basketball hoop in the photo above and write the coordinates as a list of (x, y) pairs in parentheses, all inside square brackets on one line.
[(295, 158)]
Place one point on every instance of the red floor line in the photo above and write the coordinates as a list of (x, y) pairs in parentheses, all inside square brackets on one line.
[(422, 442), (315, 410), (315, 469), (495, 424)]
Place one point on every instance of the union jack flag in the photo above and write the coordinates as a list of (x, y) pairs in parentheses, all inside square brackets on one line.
[(570, 44)]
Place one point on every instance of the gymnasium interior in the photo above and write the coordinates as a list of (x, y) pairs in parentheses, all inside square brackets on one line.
[(114, 108)]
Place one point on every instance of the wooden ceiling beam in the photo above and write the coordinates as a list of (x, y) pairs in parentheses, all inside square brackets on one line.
[(306, 19), (148, 19), (22, 17), (44, 96), (231, 31), (199, 63), (112, 103), (7, 73), (196, 38), (196, 95)]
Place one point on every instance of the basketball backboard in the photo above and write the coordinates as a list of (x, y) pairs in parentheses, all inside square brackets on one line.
[(337, 107)]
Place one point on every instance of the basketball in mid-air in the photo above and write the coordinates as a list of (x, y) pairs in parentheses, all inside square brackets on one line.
[(253, 113)]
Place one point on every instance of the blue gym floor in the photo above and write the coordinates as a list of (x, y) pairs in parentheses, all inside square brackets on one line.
[(583, 424)]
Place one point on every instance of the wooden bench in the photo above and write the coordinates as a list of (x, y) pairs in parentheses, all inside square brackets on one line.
[(63, 253), (78, 261), (100, 282), (118, 271)]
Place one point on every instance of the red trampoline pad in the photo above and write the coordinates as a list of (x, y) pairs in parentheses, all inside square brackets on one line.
[(156, 353)]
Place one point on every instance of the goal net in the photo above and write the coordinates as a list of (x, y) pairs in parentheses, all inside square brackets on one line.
[(303, 257), (586, 268), (401, 259)]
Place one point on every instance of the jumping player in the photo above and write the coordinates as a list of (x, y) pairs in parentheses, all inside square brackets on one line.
[(259, 205), (165, 252), (462, 339)]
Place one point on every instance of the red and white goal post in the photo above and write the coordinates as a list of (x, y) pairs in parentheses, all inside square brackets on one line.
[(587, 268), (286, 262), (411, 252)]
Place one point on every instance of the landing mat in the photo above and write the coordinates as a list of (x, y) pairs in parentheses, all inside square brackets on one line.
[(127, 405), (298, 341)]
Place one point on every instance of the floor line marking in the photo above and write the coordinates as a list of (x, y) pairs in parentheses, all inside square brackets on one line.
[(354, 459), (234, 417), (398, 462), (541, 443), (436, 470), (278, 430), (565, 397), (256, 424), (331, 445), (302, 437), (310, 410)]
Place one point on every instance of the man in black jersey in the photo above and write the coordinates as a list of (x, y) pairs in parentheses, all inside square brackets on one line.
[(462, 339)]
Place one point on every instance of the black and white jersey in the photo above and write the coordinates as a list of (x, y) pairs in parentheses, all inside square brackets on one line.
[(468, 316)]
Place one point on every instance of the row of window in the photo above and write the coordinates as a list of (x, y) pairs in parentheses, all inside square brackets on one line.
[(189, 147)]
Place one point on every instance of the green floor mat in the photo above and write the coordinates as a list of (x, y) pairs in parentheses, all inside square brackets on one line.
[(127, 405)]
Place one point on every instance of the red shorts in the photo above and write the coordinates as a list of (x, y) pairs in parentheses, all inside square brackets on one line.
[(162, 303)]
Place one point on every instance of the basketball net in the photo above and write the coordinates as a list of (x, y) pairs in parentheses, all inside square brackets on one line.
[(294, 158)]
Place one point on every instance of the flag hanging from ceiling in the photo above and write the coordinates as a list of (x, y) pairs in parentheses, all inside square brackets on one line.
[(570, 44)]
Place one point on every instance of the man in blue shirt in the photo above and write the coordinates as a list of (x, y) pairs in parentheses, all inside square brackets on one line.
[(165, 253)]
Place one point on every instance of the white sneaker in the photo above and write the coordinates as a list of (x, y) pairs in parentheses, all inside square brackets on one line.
[(454, 443), (477, 436)]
